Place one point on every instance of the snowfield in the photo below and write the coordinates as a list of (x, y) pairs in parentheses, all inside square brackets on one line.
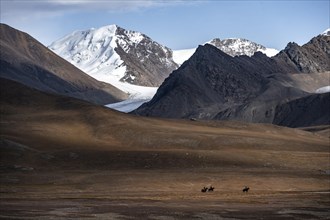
[(179, 56), (93, 51), (324, 89), (270, 52)]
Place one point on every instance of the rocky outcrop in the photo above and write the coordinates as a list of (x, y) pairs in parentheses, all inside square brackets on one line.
[(237, 46), (312, 57), (148, 63)]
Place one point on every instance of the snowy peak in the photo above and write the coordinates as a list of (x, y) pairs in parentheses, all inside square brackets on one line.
[(231, 46), (240, 46), (92, 51), (114, 55)]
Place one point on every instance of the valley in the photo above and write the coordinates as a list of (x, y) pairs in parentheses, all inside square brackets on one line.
[(231, 120), (59, 161)]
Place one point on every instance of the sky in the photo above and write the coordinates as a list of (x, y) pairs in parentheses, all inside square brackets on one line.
[(177, 24)]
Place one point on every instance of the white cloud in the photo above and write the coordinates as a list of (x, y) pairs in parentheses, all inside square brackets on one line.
[(43, 19), (17, 9)]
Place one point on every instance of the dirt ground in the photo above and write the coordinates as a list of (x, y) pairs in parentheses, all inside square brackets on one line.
[(165, 194)]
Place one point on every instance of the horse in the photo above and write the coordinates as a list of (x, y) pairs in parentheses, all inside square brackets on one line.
[(211, 189), (204, 189), (246, 189)]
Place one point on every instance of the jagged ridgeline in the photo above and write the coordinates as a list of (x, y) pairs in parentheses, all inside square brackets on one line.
[(214, 85)]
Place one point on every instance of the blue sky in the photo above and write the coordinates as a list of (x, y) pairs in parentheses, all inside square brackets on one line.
[(178, 24)]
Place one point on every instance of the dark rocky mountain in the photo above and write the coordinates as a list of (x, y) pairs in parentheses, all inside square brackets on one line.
[(112, 53), (25, 60), (303, 112), (313, 57), (214, 85)]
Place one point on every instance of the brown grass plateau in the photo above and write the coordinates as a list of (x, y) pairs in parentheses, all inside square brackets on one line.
[(62, 158)]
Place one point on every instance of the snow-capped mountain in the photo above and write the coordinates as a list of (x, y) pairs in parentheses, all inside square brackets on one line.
[(114, 55), (231, 46), (240, 46)]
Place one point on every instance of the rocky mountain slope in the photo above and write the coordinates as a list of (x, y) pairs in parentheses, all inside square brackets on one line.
[(303, 112), (313, 57), (111, 54), (25, 60), (214, 85)]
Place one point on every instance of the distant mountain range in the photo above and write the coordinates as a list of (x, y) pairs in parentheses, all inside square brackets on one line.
[(231, 46), (214, 85), (25, 60), (240, 46), (239, 84), (111, 54)]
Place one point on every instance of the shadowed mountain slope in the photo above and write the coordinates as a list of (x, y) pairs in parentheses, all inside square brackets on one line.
[(56, 125), (212, 81), (25, 60), (307, 111), (213, 85)]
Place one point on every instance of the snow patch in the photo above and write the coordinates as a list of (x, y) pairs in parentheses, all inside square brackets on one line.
[(326, 32), (270, 52), (135, 37), (324, 89)]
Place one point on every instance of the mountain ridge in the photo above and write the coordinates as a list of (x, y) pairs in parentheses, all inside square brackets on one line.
[(231, 46), (214, 85)]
